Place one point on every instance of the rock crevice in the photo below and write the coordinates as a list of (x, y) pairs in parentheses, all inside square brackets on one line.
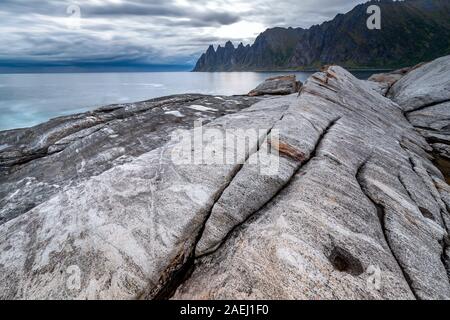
[(301, 163), (381, 214)]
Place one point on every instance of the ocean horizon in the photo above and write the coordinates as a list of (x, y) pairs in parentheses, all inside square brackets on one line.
[(28, 99)]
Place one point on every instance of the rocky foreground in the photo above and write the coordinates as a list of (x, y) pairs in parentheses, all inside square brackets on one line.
[(93, 206)]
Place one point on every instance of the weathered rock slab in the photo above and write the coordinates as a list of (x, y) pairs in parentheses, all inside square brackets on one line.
[(123, 231), (281, 85), (423, 92), (361, 219), (38, 162), (427, 85)]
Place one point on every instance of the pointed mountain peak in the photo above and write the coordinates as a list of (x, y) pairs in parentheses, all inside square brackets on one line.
[(229, 44)]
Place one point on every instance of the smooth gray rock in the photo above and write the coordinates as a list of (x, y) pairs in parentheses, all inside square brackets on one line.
[(125, 230), (424, 95), (295, 140), (38, 162), (355, 210), (424, 86), (423, 92), (359, 220), (380, 87), (436, 117), (383, 82), (277, 86)]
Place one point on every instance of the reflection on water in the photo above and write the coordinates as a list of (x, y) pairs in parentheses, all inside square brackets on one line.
[(29, 99)]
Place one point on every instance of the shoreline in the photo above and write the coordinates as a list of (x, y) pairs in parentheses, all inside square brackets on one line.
[(31, 99), (302, 70), (192, 71)]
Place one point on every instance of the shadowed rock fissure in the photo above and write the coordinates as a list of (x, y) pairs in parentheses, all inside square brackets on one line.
[(303, 165), (388, 91), (425, 212), (432, 140), (413, 167), (437, 160), (381, 213), (445, 257), (184, 264), (444, 165), (441, 162), (448, 212), (428, 105)]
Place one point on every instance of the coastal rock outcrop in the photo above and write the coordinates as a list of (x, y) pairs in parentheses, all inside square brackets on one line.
[(428, 106), (37, 162), (423, 92), (335, 196), (361, 218), (281, 85), (125, 230), (386, 80)]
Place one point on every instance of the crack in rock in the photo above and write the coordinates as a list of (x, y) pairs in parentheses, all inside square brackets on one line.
[(184, 264), (428, 105), (382, 218), (286, 184)]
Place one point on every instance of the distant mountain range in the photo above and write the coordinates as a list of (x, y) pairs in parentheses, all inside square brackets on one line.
[(411, 31)]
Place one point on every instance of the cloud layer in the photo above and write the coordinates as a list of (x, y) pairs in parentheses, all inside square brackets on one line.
[(143, 32)]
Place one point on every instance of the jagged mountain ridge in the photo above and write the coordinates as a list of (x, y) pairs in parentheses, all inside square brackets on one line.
[(412, 31)]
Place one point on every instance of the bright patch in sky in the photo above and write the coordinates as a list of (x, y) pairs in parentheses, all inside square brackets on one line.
[(240, 30), (144, 31)]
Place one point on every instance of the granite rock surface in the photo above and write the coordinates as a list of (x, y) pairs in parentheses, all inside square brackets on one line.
[(334, 193)]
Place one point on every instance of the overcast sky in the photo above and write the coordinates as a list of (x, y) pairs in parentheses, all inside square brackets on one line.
[(148, 32)]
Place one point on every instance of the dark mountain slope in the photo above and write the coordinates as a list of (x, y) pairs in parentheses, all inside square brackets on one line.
[(412, 31)]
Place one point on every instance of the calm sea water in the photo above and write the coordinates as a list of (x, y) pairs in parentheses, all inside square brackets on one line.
[(29, 99)]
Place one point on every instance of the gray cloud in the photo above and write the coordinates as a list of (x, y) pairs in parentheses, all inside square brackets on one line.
[(154, 31), (162, 9)]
